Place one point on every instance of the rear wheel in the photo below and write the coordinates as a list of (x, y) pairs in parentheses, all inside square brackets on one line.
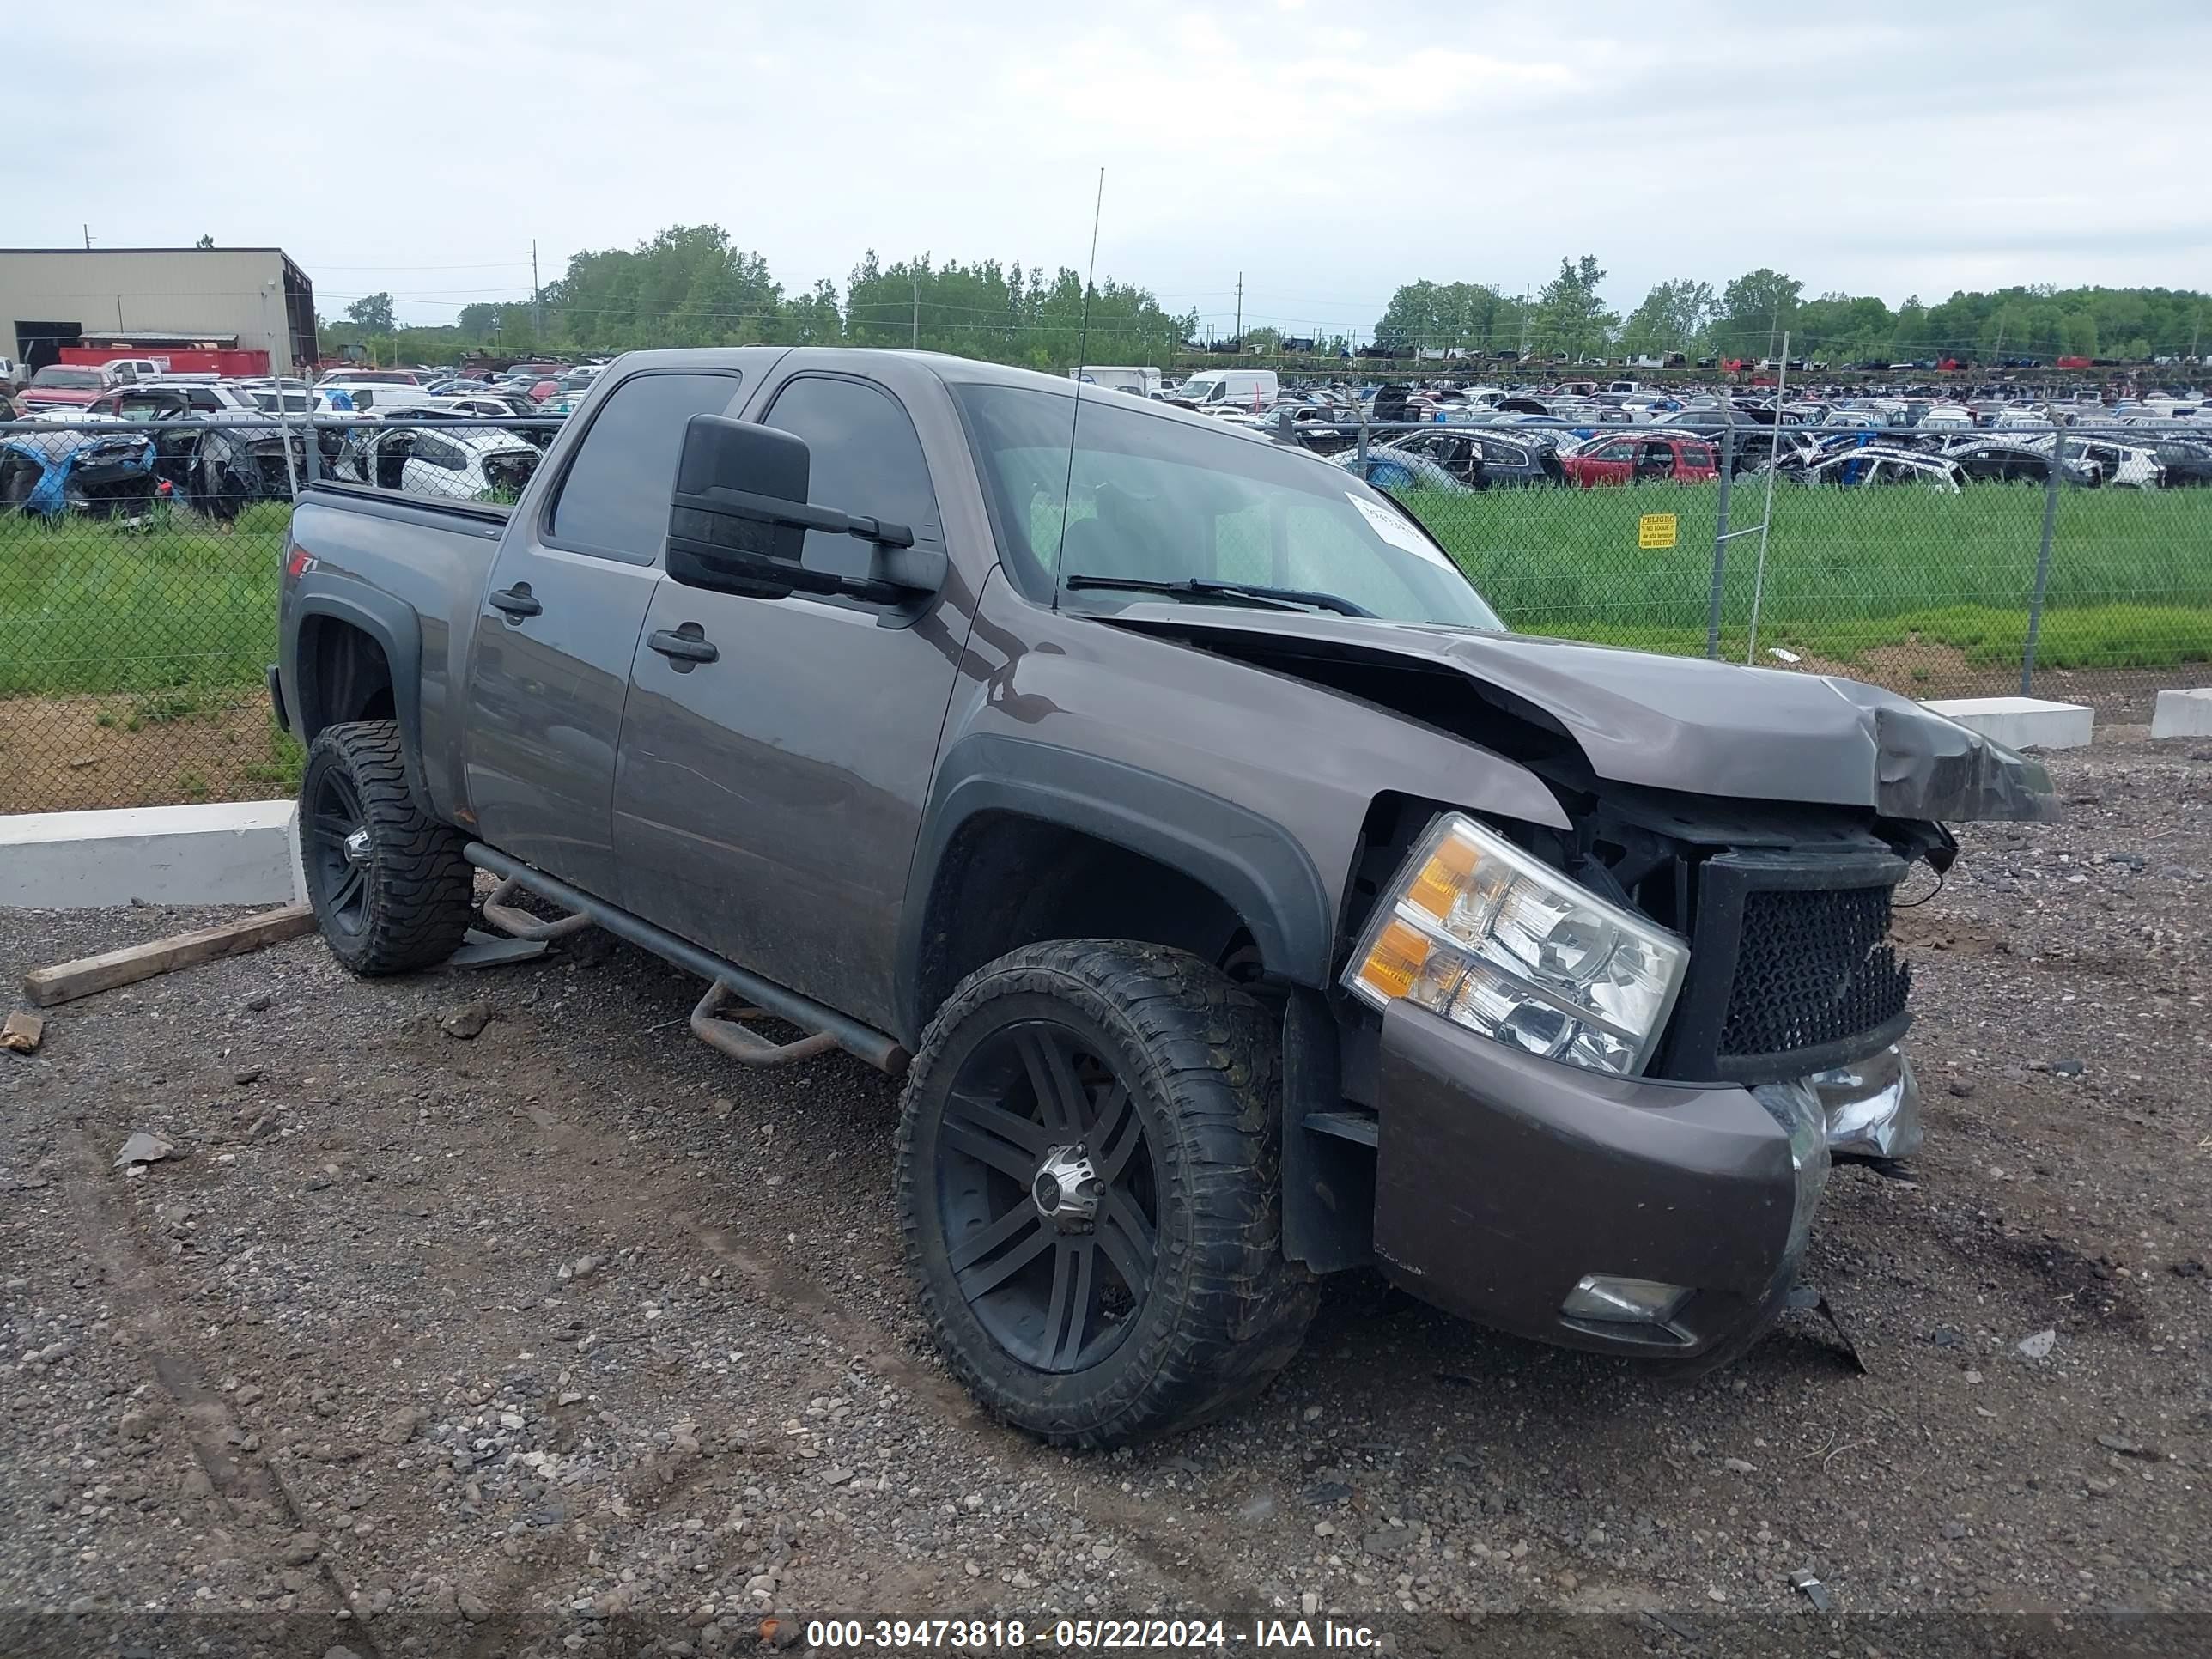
[(1089, 1184), (390, 890)]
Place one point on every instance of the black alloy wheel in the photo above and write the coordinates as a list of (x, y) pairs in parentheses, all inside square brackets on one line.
[(338, 837), (390, 890), (1089, 1179), (1047, 1195)]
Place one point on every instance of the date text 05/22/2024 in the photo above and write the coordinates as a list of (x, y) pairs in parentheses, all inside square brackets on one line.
[(1089, 1635)]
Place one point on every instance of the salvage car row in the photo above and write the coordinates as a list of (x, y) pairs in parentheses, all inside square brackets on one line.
[(1459, 438), (211, 445), (1453, 458)]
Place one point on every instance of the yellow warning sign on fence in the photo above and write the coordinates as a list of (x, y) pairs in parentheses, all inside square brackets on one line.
[(1655, 530)]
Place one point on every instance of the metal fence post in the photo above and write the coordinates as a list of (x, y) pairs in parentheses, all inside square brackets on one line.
[(2043, 558), (1362, 439), (1720, 538), (284, 432)]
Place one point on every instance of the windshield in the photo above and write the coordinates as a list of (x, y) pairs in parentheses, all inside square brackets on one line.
[(1155, 499), (67, 380)]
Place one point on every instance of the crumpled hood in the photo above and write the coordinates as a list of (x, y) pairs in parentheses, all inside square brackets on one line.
[(1683, 723)]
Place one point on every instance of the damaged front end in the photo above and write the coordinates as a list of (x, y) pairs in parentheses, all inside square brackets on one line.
[(1608, 1061), (1871, 1107), (1614, 1062), (103, 475)]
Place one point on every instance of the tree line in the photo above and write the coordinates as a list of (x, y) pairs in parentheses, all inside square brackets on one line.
[(693, 285), (1748, 316)]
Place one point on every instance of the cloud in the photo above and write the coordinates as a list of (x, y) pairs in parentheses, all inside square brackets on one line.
[(1327, 156)]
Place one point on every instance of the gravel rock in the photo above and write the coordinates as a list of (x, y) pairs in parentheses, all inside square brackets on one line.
[(284, 1330), (466, 1022), (144, 1148), (401, 1427)]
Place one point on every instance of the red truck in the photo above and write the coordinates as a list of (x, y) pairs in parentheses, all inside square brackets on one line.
[(1636, 459), (65, 386)]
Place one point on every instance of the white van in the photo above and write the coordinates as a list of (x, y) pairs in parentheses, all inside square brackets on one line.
[(1139, 382), (1217, 389)]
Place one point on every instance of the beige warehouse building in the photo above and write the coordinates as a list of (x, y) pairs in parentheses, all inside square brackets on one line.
[(253, 299)]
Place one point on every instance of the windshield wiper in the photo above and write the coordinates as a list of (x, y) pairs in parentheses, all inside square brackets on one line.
[(1274, 599)]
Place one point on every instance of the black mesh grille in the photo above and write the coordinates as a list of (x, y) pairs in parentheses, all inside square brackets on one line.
[(1812, 969)]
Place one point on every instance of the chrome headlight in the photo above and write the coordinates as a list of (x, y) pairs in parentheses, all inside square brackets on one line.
[(1474, 929)]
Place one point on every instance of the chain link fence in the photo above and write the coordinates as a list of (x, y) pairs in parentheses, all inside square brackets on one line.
[(139, 562), (138, 574), (1939, 562)]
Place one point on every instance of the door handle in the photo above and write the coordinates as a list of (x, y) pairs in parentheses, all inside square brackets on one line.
[(516, 601), (683, 648)]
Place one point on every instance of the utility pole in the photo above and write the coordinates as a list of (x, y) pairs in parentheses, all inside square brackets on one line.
[(88, 236), (536, 304), (1240, 312), (913, 274)]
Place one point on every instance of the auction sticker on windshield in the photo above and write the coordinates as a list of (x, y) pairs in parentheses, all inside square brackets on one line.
[(1655, 530), (1396, 532)]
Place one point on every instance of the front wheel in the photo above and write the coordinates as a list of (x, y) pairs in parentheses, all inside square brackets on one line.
[(1089, 1186)]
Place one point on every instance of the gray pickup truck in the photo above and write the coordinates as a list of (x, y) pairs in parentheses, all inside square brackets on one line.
[(1240, 901)]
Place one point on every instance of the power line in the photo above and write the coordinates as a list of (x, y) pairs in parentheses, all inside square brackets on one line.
[(486, 265)]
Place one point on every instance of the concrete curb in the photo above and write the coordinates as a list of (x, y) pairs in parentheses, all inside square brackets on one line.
[(224, 853), (2183, 714), (2021, 722)]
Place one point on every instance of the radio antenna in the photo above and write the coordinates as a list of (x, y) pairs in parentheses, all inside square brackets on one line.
[(1082, 358)]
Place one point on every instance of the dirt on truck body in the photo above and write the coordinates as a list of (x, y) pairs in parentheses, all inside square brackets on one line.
[(1239, 900)]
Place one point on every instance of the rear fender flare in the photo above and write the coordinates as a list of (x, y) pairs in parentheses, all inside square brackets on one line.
[(398, 632)]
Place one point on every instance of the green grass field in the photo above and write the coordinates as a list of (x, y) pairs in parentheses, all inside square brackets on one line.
[(1849, 573), (181, 605)]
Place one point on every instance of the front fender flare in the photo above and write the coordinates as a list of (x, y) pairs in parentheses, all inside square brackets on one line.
[(1257, 867)]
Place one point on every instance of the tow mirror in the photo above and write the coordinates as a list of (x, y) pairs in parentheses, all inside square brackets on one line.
[(738, 518)]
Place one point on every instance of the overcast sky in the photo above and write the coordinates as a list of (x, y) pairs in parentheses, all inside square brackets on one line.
[(1326, 150)]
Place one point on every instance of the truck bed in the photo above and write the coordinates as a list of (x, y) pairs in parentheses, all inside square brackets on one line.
[(393, 503), (420, 565)]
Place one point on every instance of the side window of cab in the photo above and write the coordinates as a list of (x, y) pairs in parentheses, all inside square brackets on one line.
[(865, 458)]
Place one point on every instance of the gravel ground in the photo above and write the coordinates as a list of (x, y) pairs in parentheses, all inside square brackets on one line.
[(568, 1320)]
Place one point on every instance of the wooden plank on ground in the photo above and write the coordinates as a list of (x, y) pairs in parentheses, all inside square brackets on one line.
[(67, 980)]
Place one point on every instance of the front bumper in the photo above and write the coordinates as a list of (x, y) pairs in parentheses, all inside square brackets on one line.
[(1872, 1107), (1503, 1179)]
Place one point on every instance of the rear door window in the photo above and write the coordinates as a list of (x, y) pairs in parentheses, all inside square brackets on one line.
[(866, 459), (614, 501)]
